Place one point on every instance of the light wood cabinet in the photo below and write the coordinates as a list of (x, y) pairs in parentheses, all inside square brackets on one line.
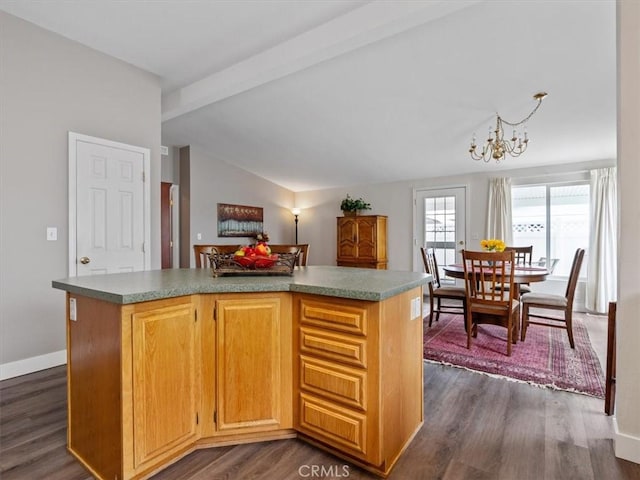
[(246, 367), (165, 365), (150, 382), (362, 241), (158, 379), (133, 384), (252, 360), (358, 376)]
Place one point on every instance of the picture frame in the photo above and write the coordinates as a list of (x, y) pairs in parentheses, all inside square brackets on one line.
[(239, 220)]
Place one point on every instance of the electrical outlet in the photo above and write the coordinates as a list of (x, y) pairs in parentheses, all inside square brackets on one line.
[(415, 308), (198, 236), (73, 310)]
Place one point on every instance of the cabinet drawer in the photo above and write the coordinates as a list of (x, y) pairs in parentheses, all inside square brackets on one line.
[(335, 425), (333, 346), (333, 382), (342, 317)]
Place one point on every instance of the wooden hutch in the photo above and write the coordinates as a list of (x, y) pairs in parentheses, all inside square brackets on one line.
[(362, 241)]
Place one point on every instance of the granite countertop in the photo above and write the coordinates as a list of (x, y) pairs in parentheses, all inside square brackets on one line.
[(342, 282)]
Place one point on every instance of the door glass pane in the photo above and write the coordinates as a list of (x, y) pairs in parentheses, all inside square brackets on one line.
[(440, 229)]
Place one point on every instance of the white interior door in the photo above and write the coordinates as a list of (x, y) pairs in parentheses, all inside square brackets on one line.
[(440, 224), (108, 206)]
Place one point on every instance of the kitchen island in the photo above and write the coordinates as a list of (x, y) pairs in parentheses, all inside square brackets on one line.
[(161, 363)]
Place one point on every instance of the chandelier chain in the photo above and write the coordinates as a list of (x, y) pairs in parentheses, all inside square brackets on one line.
[(526, 119)]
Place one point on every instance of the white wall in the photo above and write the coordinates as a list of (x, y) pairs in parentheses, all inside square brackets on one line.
[(48, 86), (214, 181), (168, 164), (627, 441)]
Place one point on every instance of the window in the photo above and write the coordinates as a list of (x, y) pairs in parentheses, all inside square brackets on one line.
[(554, 218)]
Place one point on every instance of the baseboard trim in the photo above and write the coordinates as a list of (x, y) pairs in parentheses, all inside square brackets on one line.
[(626, 446), (32, 364)]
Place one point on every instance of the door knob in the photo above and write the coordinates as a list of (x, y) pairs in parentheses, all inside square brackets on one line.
[(84, 260), (461, 242)]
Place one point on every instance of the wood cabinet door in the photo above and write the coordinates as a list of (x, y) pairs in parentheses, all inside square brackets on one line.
[(249, 364), (347, 238), (367, 238), (164, 381)]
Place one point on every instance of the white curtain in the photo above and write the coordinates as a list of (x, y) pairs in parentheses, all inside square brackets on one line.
[(499, 210), (602, 266)]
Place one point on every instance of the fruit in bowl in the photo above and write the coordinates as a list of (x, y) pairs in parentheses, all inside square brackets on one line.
[(245, 261), (266, 261), (245, 256), (262, 249), (255, 257)]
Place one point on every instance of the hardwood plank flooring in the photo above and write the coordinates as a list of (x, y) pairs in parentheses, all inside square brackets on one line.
[(476, 427)]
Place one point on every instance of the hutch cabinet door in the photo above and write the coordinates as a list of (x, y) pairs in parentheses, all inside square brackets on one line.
[(347, 238), (367, 228)]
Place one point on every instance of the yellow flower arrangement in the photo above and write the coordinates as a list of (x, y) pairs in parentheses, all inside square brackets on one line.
[(492, 245)]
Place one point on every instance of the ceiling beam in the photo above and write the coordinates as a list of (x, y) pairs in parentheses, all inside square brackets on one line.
[(370, 23)]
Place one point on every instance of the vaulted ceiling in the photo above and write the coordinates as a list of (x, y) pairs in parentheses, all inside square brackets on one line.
[(319, 93)]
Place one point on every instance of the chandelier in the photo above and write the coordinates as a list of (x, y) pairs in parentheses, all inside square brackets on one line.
[(497, 147)]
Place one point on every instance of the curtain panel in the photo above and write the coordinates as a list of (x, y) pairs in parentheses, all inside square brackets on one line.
[(499, 224), (602, 265)]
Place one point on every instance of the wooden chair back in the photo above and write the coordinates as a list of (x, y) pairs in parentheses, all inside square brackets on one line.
[(431, 266), (303, 248), (523, 255), (486, 274), (437, 294), (574, 274), (202, 252)]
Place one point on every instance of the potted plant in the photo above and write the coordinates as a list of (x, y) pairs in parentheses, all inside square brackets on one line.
[(350, 206)]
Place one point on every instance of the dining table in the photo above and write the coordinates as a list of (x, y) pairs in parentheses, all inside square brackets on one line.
[(524, 274)]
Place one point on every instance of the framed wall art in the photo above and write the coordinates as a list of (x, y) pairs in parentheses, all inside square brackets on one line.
[(239, 220)]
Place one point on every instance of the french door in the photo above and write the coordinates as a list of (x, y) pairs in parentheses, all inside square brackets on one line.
[(440, 224)]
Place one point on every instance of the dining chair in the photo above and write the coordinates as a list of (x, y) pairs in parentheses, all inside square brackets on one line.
[(522, 254), (302, 248), (553, 302), (523, 258), (202, 252), (437, 292), (486, 304)]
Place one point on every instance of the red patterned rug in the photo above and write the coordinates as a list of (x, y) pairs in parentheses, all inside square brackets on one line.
[(544, 358)]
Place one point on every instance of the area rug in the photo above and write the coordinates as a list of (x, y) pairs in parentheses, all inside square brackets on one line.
[(544, 358)]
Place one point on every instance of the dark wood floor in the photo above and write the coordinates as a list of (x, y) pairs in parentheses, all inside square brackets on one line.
[(476, 427)]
